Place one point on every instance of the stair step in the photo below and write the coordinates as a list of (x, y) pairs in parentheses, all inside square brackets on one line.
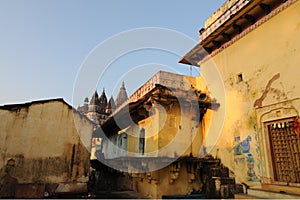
[(282, 188), (244, 196), (267, 194), (224, 180)]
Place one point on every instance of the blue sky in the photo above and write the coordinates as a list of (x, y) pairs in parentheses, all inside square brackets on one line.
[(44, 42)]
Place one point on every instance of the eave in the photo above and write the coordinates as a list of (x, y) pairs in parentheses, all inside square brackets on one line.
[(136, 111), (236, 22)]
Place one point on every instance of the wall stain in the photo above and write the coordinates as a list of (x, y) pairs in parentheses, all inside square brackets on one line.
[(258, 102), (72, 160)]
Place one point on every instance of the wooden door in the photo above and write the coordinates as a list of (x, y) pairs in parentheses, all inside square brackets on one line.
[(285, 150)]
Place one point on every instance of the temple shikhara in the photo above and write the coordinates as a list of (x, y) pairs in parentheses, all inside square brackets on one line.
[(98, 109)]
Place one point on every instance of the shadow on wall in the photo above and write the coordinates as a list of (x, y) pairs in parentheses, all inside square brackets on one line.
[(104, 178), (7, 182)]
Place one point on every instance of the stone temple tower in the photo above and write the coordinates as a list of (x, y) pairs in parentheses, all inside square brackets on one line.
[(93, 108), (98, 109), (122, 95), (102, 107), (111, 106)]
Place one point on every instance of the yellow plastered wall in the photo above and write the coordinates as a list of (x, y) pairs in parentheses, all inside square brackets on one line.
[(166, 182), (48, 141), (270, 49), (169, 133)]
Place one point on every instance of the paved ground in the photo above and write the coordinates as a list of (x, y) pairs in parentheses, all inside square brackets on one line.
[(105, 195), (119, 195)]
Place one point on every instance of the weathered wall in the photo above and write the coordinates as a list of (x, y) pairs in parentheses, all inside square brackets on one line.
[(175, 179), (168, 133), (268, 59), (171, 130), (180, 132), (46, 145), (171, 133)]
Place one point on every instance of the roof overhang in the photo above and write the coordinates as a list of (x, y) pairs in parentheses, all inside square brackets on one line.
[(137, 110), (233, 22)]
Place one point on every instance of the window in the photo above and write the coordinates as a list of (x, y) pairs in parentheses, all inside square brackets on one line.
[(142, 141), (239, 78)]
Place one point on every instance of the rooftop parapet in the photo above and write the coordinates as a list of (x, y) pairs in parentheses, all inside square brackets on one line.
[(218, 13)]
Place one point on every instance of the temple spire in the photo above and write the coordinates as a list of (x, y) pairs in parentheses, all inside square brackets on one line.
[(94, 99), (111, 106), (103, 101), (122, 95)]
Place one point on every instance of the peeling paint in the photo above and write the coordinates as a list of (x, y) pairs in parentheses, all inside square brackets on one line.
[(258, 102), (42, 149)]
